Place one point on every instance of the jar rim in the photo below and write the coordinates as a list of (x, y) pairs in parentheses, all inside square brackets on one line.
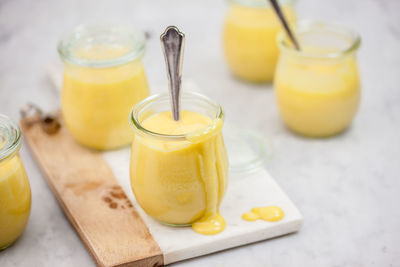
[(136, 124), (260, 3), (305, 26), (10, 137), (89, 33)]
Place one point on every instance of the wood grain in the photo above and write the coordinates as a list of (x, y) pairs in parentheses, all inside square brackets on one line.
[(91, 198)]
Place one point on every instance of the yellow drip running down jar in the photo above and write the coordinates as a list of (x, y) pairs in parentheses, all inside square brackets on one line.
[(15, 192), (104, 77), (318, 88), (179, 170), (249, 38)]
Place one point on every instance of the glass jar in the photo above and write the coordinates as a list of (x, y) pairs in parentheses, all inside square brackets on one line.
[(104, 77), (179, 179), (249, 39), (318, 88), (15, 192)]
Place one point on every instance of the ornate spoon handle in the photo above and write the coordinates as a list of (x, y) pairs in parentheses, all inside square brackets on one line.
[(173, 41)]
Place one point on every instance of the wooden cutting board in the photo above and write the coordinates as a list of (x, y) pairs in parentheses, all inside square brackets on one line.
[(93, 189)]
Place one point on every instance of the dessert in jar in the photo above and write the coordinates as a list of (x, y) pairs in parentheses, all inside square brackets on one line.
[(104, 77), (249, 38), (179, 169), (15, 192), (318, 87)]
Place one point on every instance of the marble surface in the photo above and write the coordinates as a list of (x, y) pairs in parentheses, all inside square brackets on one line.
[(346, 187), (245, 190)]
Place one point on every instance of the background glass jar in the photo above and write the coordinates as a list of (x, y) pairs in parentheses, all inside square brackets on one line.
[(318, 88), (104, 77), (250, 31), (178, 179), (15, 192)]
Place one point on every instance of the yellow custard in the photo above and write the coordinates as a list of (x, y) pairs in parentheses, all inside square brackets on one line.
[(269, 213), (95, 102), (104, 77), (181, 182), (250, 40), (15, 200), (318, 89)]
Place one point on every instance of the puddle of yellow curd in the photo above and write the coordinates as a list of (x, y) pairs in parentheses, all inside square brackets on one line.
[(181, 182), (269, 213), (317, 97), (15, 200), (96, 101), (250, 41)]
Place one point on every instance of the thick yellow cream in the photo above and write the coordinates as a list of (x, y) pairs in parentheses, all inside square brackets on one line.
[(15, 200), (181, 182), (250, 41), (269, 213), (96, 101), (317, 97)]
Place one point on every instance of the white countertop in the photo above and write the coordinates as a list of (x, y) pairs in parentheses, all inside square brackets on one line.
[(347, 187)]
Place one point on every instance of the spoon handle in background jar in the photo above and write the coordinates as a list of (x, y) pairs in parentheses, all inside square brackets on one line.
[(173, 42), (285, 25)]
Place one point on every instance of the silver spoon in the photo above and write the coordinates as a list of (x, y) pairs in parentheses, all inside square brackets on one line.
[(173, 41), (283, 20)]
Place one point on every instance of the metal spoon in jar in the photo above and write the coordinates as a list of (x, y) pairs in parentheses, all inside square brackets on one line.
[(173, 41), (285, 25)]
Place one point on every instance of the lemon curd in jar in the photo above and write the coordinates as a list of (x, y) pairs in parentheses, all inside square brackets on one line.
[(104, 77), (249, 38), (318, 88), (15, 194), (179, 169)]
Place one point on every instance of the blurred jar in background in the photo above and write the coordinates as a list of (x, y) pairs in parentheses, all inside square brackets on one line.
[(15, 192), (318, 88), (249, 39), (104, 77)]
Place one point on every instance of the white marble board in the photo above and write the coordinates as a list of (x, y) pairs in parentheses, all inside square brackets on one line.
[(244, 192)]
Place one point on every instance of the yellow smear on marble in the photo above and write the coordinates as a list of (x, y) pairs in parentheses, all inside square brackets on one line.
[(210, 224), (269, 213)]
